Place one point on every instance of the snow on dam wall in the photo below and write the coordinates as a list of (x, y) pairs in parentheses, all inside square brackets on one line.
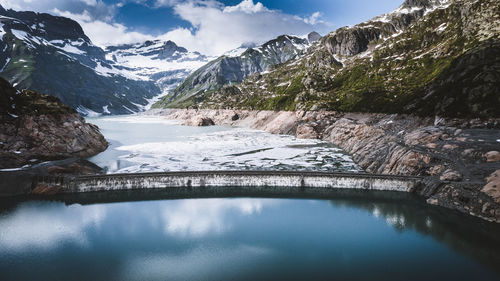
[(240, 179)]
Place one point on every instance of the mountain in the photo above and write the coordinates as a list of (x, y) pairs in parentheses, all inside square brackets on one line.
[(236, 65), (53, 55), (161, 61), (428, 57)]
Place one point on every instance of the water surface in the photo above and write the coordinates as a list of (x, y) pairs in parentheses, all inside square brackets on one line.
[(344, 236), (237, 234)]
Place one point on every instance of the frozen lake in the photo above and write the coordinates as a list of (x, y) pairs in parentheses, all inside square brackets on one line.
[(141, 143)]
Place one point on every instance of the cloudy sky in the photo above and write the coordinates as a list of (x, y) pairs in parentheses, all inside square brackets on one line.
[(208, 26)]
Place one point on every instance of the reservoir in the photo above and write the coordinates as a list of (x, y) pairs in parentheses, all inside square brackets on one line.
[(236, 234), (347, 235)]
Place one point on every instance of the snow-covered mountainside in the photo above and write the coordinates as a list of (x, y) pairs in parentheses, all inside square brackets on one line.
[(53, 55), (428, 57), (238, 64), (162, 61)]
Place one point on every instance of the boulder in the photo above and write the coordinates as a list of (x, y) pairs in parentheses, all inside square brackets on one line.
[(492, 156), (451, 175), (492, 188), (203, 122), (306, 131)]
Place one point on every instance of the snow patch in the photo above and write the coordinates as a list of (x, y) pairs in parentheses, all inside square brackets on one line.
[(21, 35), (235, 53), (442, 27), (105, 109), (87, 112), (5, 65), (2, 31), (71, 49)]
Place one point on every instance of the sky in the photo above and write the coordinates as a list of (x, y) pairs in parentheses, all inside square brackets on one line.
[(211, 27)]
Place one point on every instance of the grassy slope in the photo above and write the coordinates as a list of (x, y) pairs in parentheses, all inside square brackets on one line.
[(398, 74)]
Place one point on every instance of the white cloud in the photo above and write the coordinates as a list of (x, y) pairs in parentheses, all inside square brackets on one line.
[(217, 29), (315, 18), (89, 2), (97, 8), (166, 3), (102, 33), (12, 4), (246, 6)]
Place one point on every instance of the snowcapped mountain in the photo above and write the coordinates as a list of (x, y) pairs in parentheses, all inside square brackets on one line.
[(236, 65), (53, 55), (162, 61)]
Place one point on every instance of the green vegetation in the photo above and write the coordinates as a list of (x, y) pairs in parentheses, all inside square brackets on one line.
[(436, 66)]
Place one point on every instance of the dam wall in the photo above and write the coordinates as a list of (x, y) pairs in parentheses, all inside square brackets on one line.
[(240, 179)]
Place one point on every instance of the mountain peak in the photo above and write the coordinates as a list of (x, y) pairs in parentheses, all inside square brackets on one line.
[(313, 37), (423, 3)]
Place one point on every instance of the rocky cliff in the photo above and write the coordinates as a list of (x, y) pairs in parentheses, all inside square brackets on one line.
[(428, 57), (459, 158), (36, 127)]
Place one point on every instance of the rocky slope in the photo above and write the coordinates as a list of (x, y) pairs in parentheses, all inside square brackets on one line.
[(429, 57), (235, 66), (36, 127), (457, 157)]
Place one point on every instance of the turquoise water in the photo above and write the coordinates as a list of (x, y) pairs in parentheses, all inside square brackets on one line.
[(348, 235)]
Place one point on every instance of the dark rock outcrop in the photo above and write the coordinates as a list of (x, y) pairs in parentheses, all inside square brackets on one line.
[(25, 181), (36, 127)]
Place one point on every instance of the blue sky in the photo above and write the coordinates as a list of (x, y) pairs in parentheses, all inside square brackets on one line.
[(337, 12), (209, 26)]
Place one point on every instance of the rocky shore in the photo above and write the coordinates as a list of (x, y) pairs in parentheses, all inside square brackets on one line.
[(459, 158), (39, 128)]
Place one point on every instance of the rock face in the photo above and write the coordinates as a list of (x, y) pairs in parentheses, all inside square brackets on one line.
[(449, 153), (492, 189), (492, 156), (37, 127)]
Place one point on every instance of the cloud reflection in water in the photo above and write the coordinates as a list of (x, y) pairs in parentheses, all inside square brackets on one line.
[(45, 225), (195, 218)]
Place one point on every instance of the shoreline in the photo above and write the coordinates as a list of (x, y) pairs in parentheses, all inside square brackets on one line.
[(459, 158)]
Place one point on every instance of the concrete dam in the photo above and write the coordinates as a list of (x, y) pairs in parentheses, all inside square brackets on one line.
[(237, 179)]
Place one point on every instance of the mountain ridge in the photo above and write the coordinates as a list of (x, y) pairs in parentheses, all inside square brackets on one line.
[(236, 65), (399, 62)]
